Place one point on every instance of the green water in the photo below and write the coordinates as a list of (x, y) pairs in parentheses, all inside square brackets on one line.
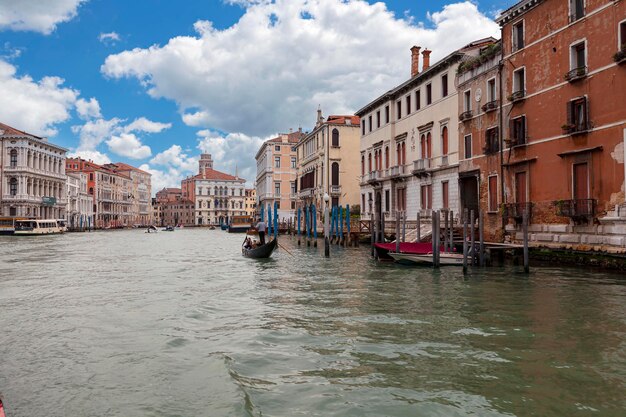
[(124, 323)]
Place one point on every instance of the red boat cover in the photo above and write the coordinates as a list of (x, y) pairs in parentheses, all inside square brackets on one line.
[(420, 248), (1, 409)]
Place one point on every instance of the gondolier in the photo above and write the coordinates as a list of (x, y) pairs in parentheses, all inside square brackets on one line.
[(261, 227)]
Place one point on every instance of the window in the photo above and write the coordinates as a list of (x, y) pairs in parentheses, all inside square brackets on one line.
[(387, 200), (277, 148), (401, 202), (491, 90), (491, 141), (293, 161), (426, 197), (386, 114), (519, 81), (408, 105), (362, 164), (493, 193), (398, 110), (363, 127), (518, 36), (467, 100), (13, 158), (13, 186), (576, 10), (444, 140), (577, 56), (91, 190), (362, 203), (277, 162), (378, 119), (335, 137), (622, 36), (429, 94), (293, 188), (334, 168), (578, 115), (444, 194), (467, 141), (369, 166), (444, 85), (418, 99), (386, 157), (369, 121), (518, 131)]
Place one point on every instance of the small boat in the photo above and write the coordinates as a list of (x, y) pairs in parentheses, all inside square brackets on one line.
[(37, 227), (418, 248), (168, 229), (152, 229), (239, 224), (263, 251), (224, 226), (211, 227), (2, 410), (445, 258)]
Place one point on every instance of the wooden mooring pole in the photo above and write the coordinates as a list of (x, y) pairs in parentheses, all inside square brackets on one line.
[(525, 231), (397, 232), (418, 232), (465, 241), (481, 226)]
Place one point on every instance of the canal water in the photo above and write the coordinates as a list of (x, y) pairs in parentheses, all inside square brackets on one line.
[(124, 323)]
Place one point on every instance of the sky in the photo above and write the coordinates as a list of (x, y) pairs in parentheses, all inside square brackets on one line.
[(154, 83)]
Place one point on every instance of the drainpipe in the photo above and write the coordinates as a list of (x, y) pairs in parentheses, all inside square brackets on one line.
[(501, 122)]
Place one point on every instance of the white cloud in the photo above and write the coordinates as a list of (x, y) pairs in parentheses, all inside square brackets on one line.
[(233, 153), (144, 125), (94, 132), (36, 15), (174, 165), (109, 38), (127, 144), (280, 60), (34, 106), (88, 109), (95, 156)]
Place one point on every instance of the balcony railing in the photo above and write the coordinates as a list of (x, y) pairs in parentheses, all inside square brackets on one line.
[(335, 189), (583, 209), (444, 160), (576, 128), (396, 171), (490, 106), (576, 74), (466, 115), (373, 176), (517, 96), (620, 56), (421, 164), (516, 211)]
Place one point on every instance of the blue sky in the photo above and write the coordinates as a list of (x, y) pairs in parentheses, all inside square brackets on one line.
[(154, 83)]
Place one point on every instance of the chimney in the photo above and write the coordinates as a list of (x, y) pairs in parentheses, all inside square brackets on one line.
[(415, 61), (426, 54)]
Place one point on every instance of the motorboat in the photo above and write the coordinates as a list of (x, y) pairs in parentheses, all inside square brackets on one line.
[(169, 229), (445, 258), (152, 229), (211, 227), (417, 248), (239, 224), (35, 227)]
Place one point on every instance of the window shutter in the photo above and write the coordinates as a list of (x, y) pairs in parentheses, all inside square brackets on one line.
[(512, 132), (586, 112), (569, 108)]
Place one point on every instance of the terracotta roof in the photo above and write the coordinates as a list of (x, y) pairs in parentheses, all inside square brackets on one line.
[(341, 120), (171, 190), (127, 167), (11, 131), (211, 174)]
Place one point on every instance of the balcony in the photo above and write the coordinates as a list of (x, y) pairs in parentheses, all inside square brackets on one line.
[(515, 211), (335, 190), (490, 106), (575, 129), (466, 115), (576, 74), (421, 165), (444, 161), (577, 210), (396, 171), (517, 96), (620, 56), (373, 177)]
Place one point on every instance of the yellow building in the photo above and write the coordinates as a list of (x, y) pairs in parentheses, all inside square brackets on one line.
[(250, 202)]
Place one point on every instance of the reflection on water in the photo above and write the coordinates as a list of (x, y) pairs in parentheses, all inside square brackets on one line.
[(179, 324)]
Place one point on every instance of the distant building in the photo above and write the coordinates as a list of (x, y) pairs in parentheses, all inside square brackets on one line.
[(328, 164), (250, 202), (79, 202), (176, 213), (32, 176), (276, 178), (140, 192)]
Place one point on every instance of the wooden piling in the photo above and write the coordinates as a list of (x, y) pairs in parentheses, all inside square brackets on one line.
[(418, 231), (481, 221), (525, 231), (465, 241), (403, 226), (445, 231), (433, 238), (451, 231), (397, 232), (473, 236)]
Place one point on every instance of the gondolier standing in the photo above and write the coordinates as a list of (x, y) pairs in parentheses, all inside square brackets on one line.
[(261, 227)]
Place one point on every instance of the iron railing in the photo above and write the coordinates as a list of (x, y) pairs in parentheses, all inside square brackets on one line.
[(576, 209)]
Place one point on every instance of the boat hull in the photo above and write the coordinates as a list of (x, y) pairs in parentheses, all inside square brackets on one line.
[(261, 252), (383, 249), (238, 228), (445, 259)]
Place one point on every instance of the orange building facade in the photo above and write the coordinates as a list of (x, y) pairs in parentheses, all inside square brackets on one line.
[(548, 135)]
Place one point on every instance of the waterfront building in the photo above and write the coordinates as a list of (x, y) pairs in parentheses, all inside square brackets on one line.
[(110, 192), (168, 194), (276, 167), (409, 140), (157, 212), (562, 117), (217, 196), (250, 202), (164, 196), (327, 162), (178, 212), (79, 202), (32, 176), (140, 193)]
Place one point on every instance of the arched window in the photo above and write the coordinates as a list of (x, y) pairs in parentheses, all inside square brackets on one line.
[(423, 146), (335, 137), (13, 158), (386, 157), (403, 153), (444, 140), (13, 186), (428, 145), (335, 173), (398, 154), (369, 163), (362, 164)]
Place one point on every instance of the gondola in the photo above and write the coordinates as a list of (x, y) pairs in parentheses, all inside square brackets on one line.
[(260, 252)]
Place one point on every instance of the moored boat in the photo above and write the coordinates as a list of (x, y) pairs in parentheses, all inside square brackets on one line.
[(239, 224), (35, 227), (418, 248), (260, 252), (445, 258), (152, 229)]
